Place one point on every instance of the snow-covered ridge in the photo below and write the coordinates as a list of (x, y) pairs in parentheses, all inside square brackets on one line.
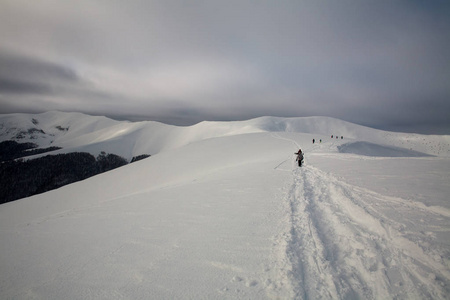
[(93, 134), (46, 128)]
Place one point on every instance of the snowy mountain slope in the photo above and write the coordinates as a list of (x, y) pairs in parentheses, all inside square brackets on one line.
[(221, 211), (46, 128), (438, 145), (348, 242), (371, 149), (184, 224), (78, 132)]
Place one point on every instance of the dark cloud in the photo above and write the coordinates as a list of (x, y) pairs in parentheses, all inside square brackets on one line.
[(19, 66), (8, 86), (379, 63), (27, 75)]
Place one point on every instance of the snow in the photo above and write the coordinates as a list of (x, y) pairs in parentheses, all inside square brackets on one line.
[(96, 134), (221, 211), (370, 149)]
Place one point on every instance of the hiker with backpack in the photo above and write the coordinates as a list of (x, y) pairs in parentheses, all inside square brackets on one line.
[(299, 157)]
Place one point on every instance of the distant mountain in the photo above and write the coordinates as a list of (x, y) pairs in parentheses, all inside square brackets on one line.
[(30, 163), (76, 132)]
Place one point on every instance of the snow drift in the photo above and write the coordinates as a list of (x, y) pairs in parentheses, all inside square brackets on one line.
[(370, 149)]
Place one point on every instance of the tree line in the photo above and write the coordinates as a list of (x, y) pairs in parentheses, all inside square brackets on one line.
[(23, 178)]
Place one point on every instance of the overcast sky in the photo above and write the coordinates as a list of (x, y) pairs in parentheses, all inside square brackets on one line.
[(384, 64)]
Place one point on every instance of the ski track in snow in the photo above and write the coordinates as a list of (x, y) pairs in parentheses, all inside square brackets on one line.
[(344, 242)]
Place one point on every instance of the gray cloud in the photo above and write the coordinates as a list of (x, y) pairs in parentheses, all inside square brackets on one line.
[(378, 63), (27, 75), (17, 66), (8, 86)]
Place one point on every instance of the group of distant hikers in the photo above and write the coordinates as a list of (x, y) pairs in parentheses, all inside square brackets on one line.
[(299, 153), (314, 140)]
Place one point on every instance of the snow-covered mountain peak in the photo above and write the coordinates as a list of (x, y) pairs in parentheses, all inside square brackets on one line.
[(45, 128), (80, 132)]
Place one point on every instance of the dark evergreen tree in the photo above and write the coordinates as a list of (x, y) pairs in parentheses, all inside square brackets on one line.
[(139, 157), (20, 178), (12, 150)]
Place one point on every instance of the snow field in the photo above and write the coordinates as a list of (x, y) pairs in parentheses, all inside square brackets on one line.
[(349, 242), (354, 251), (200, 225), (221, 211)]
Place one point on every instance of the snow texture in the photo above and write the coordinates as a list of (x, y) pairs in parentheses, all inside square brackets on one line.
[(221, 211), (370, 149)]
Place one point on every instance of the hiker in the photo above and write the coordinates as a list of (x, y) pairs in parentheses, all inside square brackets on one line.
[(314, 141), (299, 157)]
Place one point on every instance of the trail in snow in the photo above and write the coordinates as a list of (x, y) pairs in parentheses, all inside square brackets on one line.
[(345, 242)]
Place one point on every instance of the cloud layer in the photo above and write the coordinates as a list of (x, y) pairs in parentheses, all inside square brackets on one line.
[(379, 63)]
